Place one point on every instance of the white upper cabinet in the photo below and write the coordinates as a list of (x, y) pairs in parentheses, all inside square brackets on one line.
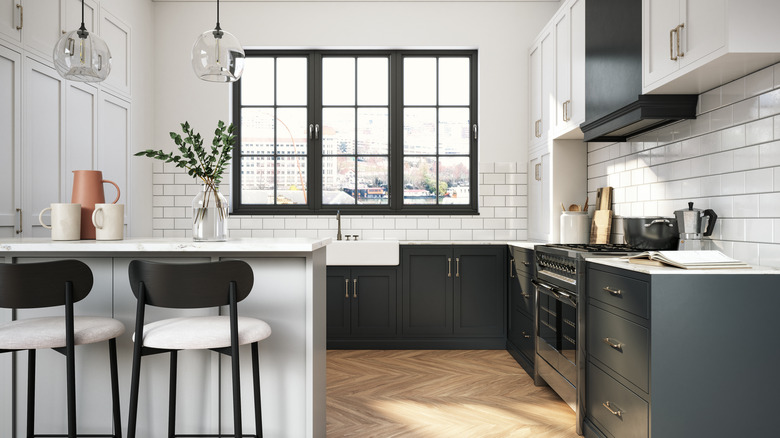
[(691, 46), (10, 139), (35, 25), (541, 87), (10, 20), (117, 35), (569, 30)]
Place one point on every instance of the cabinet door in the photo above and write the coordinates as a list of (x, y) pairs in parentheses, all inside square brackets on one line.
[(10, 127), (659, 18), (41, 144), (704, 31), (10, 14), (480, 290), (117, 35), (338, 302), (548, 89), (562, 26), (80, 131), (427, 290), (576, 109), (545, 197), (539, 198), (535, 91), (373, 302), (113, 145), (42, 26)]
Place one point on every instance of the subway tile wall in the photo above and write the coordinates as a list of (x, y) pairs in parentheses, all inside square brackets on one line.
[(503, 212), (727, 159)]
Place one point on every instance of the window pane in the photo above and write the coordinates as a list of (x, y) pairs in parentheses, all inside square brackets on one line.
[(338, 180), (257, 87), (372, 180), (338, 131), (291, 180), (372, 132), (257, 180), (454, 131), (373, 86), (257, 131), (419, 180), (338, 81), (291, 84), (419, 81), (419, 131), (291, 131), (453, 81), (454, 180)]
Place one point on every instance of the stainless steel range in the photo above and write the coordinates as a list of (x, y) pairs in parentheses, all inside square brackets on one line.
[(560, 347)]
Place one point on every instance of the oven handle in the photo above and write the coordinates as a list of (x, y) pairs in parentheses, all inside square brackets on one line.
[(555, 292)]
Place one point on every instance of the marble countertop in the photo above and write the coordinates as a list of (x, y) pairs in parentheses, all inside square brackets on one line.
[(135, 245), (618, 262)]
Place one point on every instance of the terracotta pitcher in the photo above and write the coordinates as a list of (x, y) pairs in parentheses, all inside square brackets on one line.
[(88, 191)]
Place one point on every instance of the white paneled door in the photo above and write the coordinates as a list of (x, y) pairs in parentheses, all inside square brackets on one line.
[(10, 145)]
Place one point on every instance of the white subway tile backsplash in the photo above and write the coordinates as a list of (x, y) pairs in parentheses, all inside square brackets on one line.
[(505, 190), (710, 186), (769, 103), (691, 188), (710, 100), (747, 252), (700, 124), (777, 179), (758, 230), (721, 163), (759, 181), (516, 178), (284, 233), (461, 235), (721, 118), (732, 183), (505, 212), (769, 205), (494, 178), (769, 154), (419, 235), (494, 201), (505, 235), (769, 255), (487, 189), (439, 235), (733, 92), (733, 137), (274, 222), (746, 158), (745, 206), (760, 131), (486, 167), (452, 223), (775, 231), (759, 82)]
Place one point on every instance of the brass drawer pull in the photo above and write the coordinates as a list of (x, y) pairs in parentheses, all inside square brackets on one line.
[(511, 268), (526, 264), (616, 345), (678, 31), (618, 413), (671, 45), (526, 335), (346, 288), (613, 292), (449, 267), (354, 288), (21, 16), (457, 266)]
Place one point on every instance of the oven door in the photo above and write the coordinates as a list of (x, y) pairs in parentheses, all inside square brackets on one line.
[(557, 330)]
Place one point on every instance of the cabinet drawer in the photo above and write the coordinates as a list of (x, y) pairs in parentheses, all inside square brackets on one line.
[(612, 406), (522, 333), (523, 294), (620, 344), (524, 260), (622, 292)]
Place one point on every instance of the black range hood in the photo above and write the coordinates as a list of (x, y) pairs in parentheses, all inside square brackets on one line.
[(615, 108)]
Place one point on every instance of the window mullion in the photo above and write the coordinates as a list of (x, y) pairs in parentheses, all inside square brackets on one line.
[(315, 117), (396, 177)]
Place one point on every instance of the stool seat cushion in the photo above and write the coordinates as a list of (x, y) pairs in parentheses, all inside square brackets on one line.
[(202, 332), (49, 332)]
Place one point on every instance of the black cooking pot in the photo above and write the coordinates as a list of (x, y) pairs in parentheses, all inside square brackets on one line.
[(656, 233)]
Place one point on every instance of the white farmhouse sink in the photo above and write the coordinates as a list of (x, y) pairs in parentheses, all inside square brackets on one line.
[(362, 253)]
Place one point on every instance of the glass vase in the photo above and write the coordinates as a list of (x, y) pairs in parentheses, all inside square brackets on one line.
[(209, 215)]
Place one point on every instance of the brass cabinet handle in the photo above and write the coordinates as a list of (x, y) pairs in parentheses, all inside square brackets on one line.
[(354, 288), (511, 267), (616, 345), (678, 31), (21, 16), (671, 45), (449, 267), (19, 231), (526, 264), (346, 288), (525, 295), (614, 292), (566, 116), (525, 335), (457, 267), (618, 413)]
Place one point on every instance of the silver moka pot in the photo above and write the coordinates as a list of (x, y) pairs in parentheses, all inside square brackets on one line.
[(693, 227)]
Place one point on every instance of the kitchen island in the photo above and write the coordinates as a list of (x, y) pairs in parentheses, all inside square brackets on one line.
[(289, 294)]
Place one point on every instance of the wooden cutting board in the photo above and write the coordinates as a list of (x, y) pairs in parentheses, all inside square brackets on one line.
[(605, 201), (601, 226)]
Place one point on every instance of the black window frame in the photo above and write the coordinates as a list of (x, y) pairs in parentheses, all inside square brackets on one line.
[(314, 155)]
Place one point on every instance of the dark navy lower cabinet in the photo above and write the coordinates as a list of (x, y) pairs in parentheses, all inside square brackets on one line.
[(361, 302), (522, 302)]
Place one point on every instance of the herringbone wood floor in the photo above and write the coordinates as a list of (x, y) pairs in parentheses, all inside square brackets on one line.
[(439, 394)]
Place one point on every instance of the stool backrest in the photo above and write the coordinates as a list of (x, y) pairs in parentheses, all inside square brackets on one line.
[(32, 285), (190, 285)]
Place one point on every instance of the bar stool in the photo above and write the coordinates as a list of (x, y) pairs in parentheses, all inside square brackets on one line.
[(189, 286), (64, 282)]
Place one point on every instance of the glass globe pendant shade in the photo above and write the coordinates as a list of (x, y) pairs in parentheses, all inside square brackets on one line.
[(217, 56), (81, 56)]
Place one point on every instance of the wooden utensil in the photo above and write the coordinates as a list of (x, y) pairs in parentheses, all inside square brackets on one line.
[(563, 207), (585, 207), (574, 207), (598, 197)]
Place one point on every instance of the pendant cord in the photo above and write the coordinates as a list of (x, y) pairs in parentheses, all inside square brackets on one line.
[(218, 28), (82, 32)]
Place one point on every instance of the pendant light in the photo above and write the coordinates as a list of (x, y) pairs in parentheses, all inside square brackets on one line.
[(82, 56), (217, 56)]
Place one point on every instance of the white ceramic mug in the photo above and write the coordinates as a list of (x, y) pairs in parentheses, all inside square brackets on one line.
[(109, 221), (65, 221)]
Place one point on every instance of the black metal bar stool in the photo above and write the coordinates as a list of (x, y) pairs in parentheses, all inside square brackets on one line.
[(64, 282), (188, 286)]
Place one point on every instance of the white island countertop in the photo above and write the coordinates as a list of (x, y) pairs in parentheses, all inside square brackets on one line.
[(161, 245)]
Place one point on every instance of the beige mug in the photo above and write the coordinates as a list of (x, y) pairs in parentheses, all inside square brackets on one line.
[(109, 221), (65, 221)]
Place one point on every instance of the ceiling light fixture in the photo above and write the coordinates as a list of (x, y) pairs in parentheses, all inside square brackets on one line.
[(82, 56), (217, 56)]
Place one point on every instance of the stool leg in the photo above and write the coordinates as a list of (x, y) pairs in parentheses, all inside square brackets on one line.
[(134, 382), (71, 368), (256, 379), (172, 398), (30, 393), (115, 388), (237, 428)]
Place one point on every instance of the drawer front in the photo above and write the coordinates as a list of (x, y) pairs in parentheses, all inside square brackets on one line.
[(525, 335), (523, 294), (524, 260), (614, 407), (620, 344), (622, 292)]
